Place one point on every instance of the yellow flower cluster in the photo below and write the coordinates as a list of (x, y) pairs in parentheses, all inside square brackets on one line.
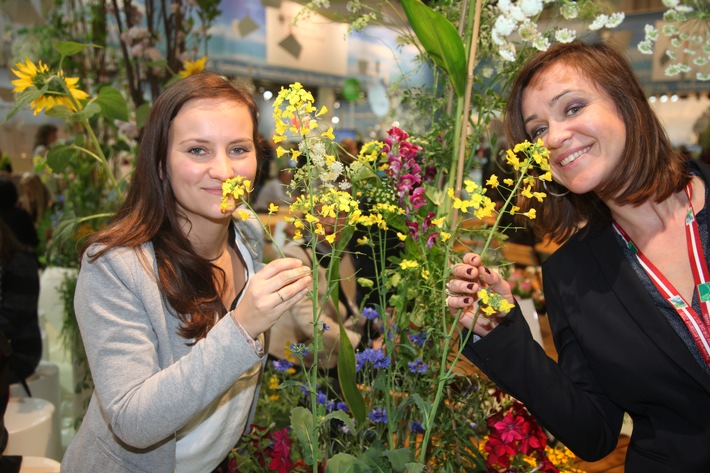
[(296, 116), (53, 87), (233, 191), (491, 302), (332, 203), (483, 206)]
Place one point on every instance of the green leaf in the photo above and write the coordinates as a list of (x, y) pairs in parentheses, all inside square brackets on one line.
[(399, 459), (440, 40), (346, 463), (60, 156), (346, 354), (65, 113), (301, 423), (342, 417), (347, 378), (24, 98), (142, 114), (69, 48), (415, 467), (113, 104)]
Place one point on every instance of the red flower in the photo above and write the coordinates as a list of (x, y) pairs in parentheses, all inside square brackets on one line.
[(510, 428), (281, 452), (499, 452)]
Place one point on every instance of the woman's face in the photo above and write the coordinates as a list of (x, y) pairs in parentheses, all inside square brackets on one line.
[(579, 123), (209, 141)]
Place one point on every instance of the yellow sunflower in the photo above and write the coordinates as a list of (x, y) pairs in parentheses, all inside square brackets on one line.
[(60, 90)]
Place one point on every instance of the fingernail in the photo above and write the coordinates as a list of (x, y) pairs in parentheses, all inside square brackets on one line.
[(469, 271), (467, 300), (470, 287), (487, 270)]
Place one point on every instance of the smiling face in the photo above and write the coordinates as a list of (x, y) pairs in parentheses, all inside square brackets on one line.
[(579, 123), (210, 141)]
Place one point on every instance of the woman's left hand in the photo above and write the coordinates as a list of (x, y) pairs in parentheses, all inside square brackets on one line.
[(469, 277)]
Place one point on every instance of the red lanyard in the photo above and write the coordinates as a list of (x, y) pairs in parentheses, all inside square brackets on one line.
[(698, 324)]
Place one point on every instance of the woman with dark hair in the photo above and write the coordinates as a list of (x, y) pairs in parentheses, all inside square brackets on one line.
[(628, 292), (172, 299)]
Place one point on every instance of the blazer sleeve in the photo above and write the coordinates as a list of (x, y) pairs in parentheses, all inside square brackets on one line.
[(144, 395), (566, 398)]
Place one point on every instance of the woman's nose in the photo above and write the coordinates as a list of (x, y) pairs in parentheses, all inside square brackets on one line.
[(222, 167), (557, 135)]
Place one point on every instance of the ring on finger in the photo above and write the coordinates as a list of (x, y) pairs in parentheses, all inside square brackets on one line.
[(280, 296)]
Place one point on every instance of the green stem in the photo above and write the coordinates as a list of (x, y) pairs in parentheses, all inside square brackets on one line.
[(513, 193)]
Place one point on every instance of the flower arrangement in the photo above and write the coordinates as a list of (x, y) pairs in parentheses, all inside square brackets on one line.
[(686, 23), (527, 286), (404, 402)]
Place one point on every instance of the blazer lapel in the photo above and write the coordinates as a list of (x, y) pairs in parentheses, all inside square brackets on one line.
[(638, 303)]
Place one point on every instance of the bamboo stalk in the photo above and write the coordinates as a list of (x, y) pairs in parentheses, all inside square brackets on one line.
[(466, 105)]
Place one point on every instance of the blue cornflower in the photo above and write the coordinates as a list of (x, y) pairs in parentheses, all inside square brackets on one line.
[(417, 427), (376, 357), (379, 360), (282, 365), (418, 338), (378, 415), (418, 366), (321, 398), (299, 349), (370, 314), (341, 406), (326, 327), (360, 360)]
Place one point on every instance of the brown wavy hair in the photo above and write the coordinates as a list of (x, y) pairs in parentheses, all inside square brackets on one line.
[(649, 169), (189, 283)]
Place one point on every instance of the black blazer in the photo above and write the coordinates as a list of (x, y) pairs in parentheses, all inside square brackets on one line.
[(617, 353)]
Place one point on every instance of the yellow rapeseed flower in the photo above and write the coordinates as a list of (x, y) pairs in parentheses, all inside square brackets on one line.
[(408, 264)]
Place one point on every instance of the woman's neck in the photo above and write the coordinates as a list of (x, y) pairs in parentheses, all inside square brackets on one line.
[(209, 240), (651, 217)]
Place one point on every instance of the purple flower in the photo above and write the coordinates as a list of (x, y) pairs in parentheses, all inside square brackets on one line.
[(418, 366), (397, 134), (407, 183), (378, 415), (429, 173), (413, 229), (299, 349), (418, 338), (326, 327), (369, 313), (417, 198), (376, 357), (282, 365), (417, 427), (431, 239)]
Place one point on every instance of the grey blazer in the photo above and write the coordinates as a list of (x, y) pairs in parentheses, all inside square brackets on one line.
[(148, 382)]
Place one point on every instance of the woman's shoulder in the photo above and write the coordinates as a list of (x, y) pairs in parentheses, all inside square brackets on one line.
[(122, 256)]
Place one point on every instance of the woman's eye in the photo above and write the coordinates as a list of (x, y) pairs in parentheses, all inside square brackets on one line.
[(196, 151), (534, 133), (574, 110)]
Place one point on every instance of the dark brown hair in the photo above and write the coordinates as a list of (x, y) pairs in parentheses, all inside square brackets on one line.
[(151, 213), (650, 168)]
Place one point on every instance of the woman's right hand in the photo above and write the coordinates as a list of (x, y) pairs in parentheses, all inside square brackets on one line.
[(273, 290), (469, 277)]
